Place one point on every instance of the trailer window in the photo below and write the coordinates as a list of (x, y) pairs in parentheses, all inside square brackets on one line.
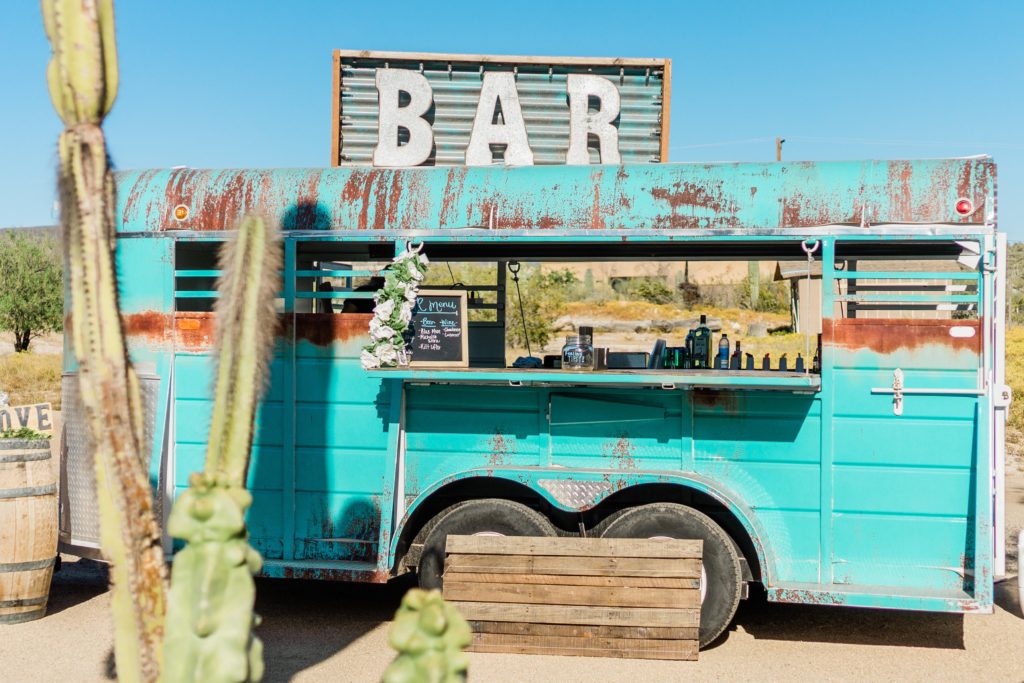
[(922, 282), (196, 269)]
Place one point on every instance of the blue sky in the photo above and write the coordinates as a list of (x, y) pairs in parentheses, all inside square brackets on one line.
[(247, 84)]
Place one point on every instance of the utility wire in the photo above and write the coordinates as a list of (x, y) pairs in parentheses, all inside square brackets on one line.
[(857, 141)]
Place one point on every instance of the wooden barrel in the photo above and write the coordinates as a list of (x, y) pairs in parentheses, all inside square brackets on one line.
[(28, 528)]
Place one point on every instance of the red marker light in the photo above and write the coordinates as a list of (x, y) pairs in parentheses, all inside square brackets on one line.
[(964, 206)]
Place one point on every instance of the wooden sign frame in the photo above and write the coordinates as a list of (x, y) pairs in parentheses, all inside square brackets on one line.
[(463, 317), (375, 59)]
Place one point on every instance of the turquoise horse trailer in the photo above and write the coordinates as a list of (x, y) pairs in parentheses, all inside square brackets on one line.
[(872, 478)]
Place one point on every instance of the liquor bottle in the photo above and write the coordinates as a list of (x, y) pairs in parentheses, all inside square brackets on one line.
[(783, 364), (736, 361), (701, 353), (750, 361), (799, 363), (722, 362), (766, 362)]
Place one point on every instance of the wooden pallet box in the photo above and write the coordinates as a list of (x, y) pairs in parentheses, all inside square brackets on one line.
[(597, 597)]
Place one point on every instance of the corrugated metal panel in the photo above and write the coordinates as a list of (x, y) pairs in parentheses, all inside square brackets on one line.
[(542, 94)]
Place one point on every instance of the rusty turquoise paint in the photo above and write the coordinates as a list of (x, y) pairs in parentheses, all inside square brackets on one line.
[(843, 502), (547, 200)]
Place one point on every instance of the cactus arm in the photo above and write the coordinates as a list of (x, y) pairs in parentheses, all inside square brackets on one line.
[(245, 315), (82, 80), (430, 636), (228, 289), (210, 615), (82, 76), (105, 10)]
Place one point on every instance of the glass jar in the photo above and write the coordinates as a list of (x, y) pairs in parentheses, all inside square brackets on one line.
[(578, 353)]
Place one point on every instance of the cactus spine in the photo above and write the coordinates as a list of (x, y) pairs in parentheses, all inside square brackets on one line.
[(210, 614), (429, 635), (82, 78)]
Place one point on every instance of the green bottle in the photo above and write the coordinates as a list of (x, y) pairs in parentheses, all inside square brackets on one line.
[(701, 353)]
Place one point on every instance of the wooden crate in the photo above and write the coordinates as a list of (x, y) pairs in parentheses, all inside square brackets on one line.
[(595, 597)]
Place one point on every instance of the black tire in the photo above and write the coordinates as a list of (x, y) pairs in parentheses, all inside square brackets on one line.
[(721, 561), (492, 515)]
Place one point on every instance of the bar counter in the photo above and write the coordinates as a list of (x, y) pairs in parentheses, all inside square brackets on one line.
[(665, 379)]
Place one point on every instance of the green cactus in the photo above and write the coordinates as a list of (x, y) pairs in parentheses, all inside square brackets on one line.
[(210, 613), (429, 635), (82, 78)]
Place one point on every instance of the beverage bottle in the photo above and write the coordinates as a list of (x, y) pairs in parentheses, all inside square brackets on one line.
[(766, 362), (750, 361), (736, 361), (700, 353), (723, 353)]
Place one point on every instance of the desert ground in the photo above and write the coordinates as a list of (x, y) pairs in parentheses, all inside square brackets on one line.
[(317, 632)]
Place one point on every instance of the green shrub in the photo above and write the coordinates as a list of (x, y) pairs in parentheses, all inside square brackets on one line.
[(26, 433), (31, 286), (773, 297), (544, 293), (650, 289)]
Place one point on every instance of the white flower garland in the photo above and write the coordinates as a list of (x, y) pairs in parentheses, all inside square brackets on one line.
[(393, 311)]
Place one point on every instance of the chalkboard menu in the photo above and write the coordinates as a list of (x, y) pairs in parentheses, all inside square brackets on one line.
[(438, 329)]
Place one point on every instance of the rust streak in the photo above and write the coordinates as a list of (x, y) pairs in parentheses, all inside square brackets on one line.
[(501, 448), (148, 325), (890, 335), (194, 331), (323, 329), (623, 453), (709, 398)]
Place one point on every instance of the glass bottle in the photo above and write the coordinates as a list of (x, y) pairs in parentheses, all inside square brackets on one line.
[(700, 354), (578, 353), (736, 361), (722, 362)]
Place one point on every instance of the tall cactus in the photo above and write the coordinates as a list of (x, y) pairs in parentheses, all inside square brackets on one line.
[(210, 615), (82, 78)]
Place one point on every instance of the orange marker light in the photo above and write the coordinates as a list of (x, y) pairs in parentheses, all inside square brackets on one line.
[(180, 212)]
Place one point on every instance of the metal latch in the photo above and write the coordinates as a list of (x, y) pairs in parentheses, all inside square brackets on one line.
[(897, 391)]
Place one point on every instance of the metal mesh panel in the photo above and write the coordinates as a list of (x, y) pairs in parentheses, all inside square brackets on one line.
[(80, 521)]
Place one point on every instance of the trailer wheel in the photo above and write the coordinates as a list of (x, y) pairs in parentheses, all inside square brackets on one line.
[(721, 573), (484, 517)]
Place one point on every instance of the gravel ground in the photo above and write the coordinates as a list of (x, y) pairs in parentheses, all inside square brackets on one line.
[(337, 632)]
